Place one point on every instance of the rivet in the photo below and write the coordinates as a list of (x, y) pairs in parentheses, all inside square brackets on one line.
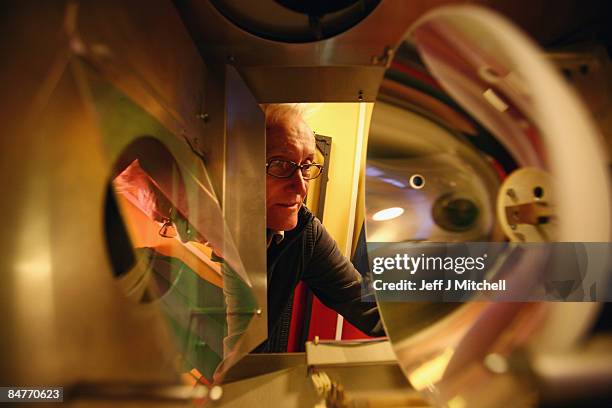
[(496, 363), (216, 393)]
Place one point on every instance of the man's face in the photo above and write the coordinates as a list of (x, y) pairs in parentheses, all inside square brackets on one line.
[(290, 140)]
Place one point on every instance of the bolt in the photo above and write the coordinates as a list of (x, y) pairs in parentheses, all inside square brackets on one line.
[(383, 59), (77, 46), (538, 192), (258, 312), (543, 219), (360, 95), (216, 393), (496, 363)]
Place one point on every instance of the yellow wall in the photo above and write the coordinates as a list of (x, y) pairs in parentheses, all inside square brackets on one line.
[(340, 121)]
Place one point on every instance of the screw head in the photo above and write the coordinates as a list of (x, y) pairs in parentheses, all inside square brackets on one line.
[(496, 363), (216, 393)]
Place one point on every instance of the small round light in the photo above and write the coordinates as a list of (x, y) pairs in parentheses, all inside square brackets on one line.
[(388, 214)]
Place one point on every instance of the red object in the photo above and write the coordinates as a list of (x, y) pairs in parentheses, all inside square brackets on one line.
[(298, 314), (501, 173), (350, 332), (421, 76), (322, 321)]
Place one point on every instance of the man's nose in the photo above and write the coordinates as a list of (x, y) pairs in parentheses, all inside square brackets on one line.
[(298, 184)]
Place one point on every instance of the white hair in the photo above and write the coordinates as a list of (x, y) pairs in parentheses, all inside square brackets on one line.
[(277, 113)]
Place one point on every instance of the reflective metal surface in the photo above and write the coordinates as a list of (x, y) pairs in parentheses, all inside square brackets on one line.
[(78, 116), (403, 143), (346, 67), (65, 311), (295, 21), (508, 109), (350, 64), (149, 55), (183, 253), (82, 81), (244, 209)]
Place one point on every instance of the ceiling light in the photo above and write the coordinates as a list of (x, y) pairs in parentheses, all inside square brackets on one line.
[(388, 214)]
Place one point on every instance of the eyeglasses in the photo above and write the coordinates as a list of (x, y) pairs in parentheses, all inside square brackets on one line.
[(285, 169)]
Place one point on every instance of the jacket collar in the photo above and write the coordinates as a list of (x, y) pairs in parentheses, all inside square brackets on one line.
[(304, 217)]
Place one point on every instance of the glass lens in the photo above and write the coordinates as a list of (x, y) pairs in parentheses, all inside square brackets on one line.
[(472, 110), (311, 171), (280, 168)]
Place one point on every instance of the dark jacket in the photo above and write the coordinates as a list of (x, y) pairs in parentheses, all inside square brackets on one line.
[(310, 254)]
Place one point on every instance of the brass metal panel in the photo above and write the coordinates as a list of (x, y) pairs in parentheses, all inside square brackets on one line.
[(335, 353), (217, 37), (63, 317), (284, 388), (148, 54), (214, 112), (25, 61), (314, 84), (330, 70), (70, 317), (244, 201), (354, 52), (253, 365), (291, 386)]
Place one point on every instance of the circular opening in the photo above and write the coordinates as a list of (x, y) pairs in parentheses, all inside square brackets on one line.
[(417, 181), (455, 214), (145, 219), (538, 192), (295, 21), (316, 7)]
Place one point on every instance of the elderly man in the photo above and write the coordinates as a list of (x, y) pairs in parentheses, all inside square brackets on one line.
[(299, 247)]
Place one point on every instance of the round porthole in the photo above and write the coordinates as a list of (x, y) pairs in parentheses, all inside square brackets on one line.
[(144, 220), (295, 21), (454, 213)]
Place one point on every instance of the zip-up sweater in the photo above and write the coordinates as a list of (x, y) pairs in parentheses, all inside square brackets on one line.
[(310, 254)]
